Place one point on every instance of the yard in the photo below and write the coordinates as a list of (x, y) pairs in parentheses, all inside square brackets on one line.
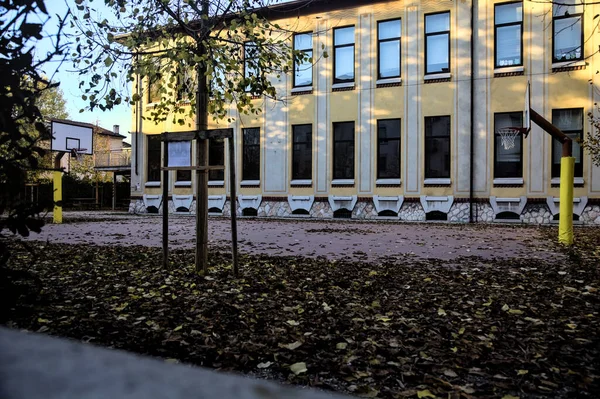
[(371, 309)]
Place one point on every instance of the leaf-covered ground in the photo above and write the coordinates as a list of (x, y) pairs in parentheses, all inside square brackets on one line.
[(468, 328)]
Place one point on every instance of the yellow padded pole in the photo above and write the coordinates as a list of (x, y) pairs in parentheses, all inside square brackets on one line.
[(57, 214), (565, 226)]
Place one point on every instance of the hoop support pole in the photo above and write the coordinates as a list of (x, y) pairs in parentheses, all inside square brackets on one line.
[(565, 226), (57, 215)]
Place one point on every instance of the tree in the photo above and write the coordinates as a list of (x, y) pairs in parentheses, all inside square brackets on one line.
[(20, 31), (232, 44)]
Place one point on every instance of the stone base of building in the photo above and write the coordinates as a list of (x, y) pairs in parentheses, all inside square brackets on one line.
[(411, 210)]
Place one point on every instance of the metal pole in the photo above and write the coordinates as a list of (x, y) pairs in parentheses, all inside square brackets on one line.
[(57, 182), (165, 206), (233, 204), (202, 159), (567, 168)]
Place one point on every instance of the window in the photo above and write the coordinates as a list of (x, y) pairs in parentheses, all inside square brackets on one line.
[(185, 82), (508, 32), (389, 33), (437, 147), (567, 31), (343, 150), (302, 152), (154, 143), (155, 83), (508, 163), (303, 75), (251, 154), (388, 149), (570, 121), (251, 69), (437, 43), (343, 56), (216, 157), (180, 154)]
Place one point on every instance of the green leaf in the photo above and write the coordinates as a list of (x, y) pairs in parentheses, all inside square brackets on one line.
[(441, 312), (425, 394), (108, 61), (341, 345), (293, 323), (522, 372), (298, 368), (178, 328)]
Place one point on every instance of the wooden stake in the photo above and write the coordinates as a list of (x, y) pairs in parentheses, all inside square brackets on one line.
[(233, 205), (165, 207)]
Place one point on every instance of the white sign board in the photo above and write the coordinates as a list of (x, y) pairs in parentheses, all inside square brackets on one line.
[(67, 137), (180, 153)]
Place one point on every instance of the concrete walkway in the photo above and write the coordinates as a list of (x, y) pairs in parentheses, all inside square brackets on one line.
[(332, 239)]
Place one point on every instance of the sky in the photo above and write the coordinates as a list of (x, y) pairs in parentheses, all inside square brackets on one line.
[(69, 78)]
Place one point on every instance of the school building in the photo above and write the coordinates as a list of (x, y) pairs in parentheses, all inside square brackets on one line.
[(401, 120)]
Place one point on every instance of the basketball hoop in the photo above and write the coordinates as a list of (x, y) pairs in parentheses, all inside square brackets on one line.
[(509, 134), (78, 153)]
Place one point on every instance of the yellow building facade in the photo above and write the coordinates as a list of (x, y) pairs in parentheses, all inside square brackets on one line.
[(401, 120)]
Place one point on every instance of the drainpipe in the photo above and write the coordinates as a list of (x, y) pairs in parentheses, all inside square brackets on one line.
[(472, 138), (137, 120)]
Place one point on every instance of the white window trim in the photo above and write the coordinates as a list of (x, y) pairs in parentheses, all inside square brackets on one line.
[(433, 76), (152, 184), (183, 183), (566, 64), (342, 182), (216, 182), (304, 182), (443, 181), (344, 85), (250, 183), (302, 89), (509, 180), (389, 81), (394, 182), (577, 180), (519, 68)]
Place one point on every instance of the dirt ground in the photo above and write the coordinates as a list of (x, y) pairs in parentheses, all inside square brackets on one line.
[(313, 238)]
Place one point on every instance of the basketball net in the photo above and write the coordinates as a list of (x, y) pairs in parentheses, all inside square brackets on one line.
[(507, 136), (78, 153)]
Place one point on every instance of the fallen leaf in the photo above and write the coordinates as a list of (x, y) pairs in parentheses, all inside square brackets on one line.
[(298, 368), (292, 346), (425, 394), (264, 365)]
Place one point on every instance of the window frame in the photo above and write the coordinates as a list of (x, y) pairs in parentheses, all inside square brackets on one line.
[(248, 89), (380, 41), (581, 38), (158, 80), (245, 147), (496, 134), (555, 167), (334, 157), (504, 25), (309, 145), (216, 175), (335, 48), (428, 139), (427, 35), (302, 51), (152, 174), (399, 139), (180, 175)]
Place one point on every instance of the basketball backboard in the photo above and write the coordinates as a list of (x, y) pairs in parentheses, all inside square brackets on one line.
[(70, 136), (526, 109)]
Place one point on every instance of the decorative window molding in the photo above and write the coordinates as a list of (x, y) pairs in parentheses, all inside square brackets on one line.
[(513, 205), (579, 205), (183, 184), (152, 184), (383, 203), (436, 76), (250, 183), (388, 81), (388, 182), (217, 201), (342, 182), (216, 183), (438, 182), (437, 204), (298, 202), (509, 181), (183, 201), (342, 202)]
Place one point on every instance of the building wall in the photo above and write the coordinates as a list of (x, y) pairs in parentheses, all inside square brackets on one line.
[(411, 99)]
